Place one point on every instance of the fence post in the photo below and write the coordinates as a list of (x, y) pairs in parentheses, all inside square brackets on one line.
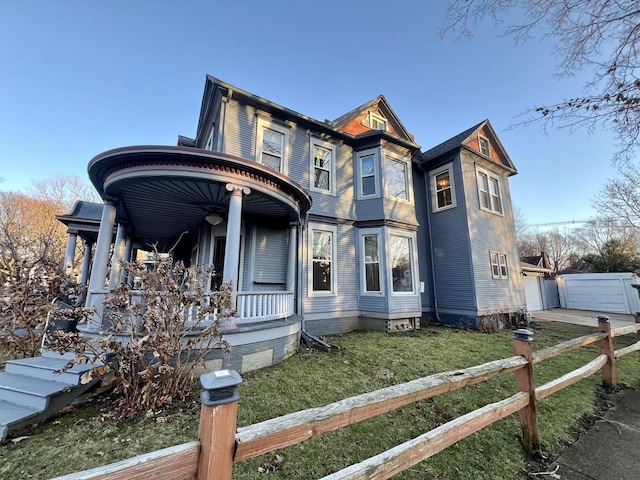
[(637, 317), (526, 383), (606, 347), (217, 431)]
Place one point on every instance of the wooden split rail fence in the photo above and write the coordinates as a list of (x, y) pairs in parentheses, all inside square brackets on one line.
[(222, 444)]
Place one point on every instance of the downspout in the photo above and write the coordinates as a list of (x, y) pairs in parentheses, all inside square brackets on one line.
[(301, 229), (431, 256)]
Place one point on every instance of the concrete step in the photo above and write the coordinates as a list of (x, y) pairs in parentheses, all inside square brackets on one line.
[(46, 368), (30, 392), (12, 414), (50, 354)]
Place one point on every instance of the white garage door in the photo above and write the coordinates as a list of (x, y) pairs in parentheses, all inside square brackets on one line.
[(606, 295), (532, 293)]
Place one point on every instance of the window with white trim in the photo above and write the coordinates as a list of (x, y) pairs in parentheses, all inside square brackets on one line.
[(323, 172), (322, 262), (370, 257), (489, 192), (377, 122), (499, 268), (401, 258), (483, 142), (443, 194), (271, 145), (368, 174), (395, 179)]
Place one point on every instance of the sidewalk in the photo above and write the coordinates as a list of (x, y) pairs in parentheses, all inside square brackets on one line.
[(609, 449)]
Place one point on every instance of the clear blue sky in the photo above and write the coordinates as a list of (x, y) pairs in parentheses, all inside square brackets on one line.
[(81, 77)]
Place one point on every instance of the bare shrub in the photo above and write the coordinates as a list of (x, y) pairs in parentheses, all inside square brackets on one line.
[(27, 291), (155, 336)]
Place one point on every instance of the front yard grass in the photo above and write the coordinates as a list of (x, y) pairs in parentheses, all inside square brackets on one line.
[(79, 439)]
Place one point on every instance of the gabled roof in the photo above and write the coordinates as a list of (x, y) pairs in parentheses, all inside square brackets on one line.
[(216, 87), (378, 105), (468, 140), (451, 144), (541, 260)]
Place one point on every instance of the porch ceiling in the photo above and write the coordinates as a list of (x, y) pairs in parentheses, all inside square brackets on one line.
[(162, 192)]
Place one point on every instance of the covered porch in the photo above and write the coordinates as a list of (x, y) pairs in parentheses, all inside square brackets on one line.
[(208, 209)]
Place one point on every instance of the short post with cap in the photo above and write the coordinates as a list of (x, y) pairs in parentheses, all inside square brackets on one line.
[(606, 346), (526, 383), (218, 417)]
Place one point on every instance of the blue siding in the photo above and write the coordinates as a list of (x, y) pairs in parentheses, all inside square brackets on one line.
[(450, 236), (492, 232), (422, 202)]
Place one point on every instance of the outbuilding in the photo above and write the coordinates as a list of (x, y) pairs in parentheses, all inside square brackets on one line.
[(605, 292)]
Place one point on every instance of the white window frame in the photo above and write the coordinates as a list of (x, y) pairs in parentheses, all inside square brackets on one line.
[(487, 184), (484, 140), (332, 172), (407, 178), (318, 227), (376, 173), (264, 123), (499, 265), (412, 261), (370, 232), (448, 168), (376, 120)]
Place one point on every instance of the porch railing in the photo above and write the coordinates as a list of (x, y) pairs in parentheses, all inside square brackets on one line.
[(254, 306), (260, 306)]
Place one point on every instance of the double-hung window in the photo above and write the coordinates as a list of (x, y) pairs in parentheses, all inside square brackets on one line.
[(370, 245), (395, 179), (489, 192), (483, 142), (443, 194), (401, 257), (322, 268), (499, 267), (368, 173), (271, 145), (323, 171)]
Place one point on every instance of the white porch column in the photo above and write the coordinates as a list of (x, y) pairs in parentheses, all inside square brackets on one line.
[(70, 253), (126, 258), (86, 263), (232, 250), (118, 250), (103, 245), (291, 258)]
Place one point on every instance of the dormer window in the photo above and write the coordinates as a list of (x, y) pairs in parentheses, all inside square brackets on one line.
[(484, 146), (376, 122)]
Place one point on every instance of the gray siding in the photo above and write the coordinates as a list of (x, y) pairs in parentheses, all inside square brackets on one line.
[(452, 265), (492, 232), (344, 302), (240, 139), (422, 202), (270, 258), (239, 136)]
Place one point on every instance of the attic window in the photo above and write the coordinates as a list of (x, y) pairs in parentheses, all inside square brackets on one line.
[(484, 146), (376, 122)]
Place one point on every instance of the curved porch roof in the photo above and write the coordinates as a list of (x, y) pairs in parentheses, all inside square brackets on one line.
[(160, 192)]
